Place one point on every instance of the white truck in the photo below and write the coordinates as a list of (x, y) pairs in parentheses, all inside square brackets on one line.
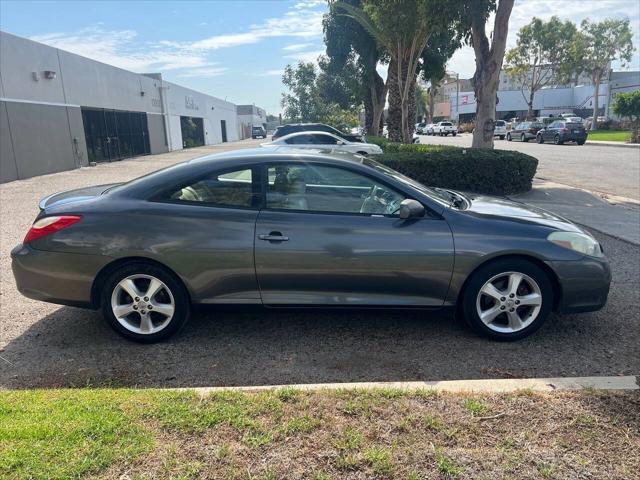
[(445, 128)]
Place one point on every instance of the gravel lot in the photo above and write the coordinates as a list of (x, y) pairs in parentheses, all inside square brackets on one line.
[(47, 345), (610, 170)]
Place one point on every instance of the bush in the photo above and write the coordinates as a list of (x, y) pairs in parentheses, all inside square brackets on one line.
[(479, 170)]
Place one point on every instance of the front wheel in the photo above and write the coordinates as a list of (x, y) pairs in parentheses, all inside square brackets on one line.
[(557, 141), (507, 299), (581, 142), (144, 302), (523, 138)]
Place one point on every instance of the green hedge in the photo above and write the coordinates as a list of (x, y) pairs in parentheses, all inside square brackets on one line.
[(480, 170)]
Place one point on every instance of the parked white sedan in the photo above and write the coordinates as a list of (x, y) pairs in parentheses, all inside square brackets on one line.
[(324, 140)]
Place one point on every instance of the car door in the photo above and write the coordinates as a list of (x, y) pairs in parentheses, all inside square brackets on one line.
[(326, 237), (302, 141), (549, 132)]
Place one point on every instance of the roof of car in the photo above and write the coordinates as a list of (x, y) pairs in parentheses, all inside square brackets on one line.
[(279, 151)]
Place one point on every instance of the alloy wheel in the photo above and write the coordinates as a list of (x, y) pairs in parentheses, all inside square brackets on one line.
[(142, 304), (509, 302)]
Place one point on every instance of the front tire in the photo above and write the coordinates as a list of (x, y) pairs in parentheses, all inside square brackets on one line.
[(523, 138), (144, 302), (507, 299), (557, 141)]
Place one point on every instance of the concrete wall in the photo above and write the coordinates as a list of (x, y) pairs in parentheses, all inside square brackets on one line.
[(8, 167), (157, 138), (43, 139)]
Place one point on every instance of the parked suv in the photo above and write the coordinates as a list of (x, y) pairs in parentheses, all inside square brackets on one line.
[(500, 129), (283, 130), (258, 131), (444, 129), (560, 131)]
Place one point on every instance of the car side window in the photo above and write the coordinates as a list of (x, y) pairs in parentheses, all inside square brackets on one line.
[(300, 140), (229, 189), (322, 188), (324, 139)]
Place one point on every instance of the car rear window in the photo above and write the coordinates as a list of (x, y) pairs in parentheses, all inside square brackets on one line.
[(500, 123), (445, 124), (574, 125)]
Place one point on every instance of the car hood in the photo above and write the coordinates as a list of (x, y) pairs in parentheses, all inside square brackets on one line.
[(76, 195), (505, 208)]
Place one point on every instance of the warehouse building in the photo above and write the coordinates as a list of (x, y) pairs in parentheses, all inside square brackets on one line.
[(250, 116), (60, 111)]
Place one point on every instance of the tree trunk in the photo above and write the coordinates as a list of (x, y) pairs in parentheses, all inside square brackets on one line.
[(596, 92), (394, 113), (432, 102), (530, 105), (488, 65), (379, 101)]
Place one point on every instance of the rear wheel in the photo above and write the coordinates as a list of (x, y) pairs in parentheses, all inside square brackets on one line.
[(581, 142), (454, 134), (523, 138), (501, 137), (508, 137), (507, 299), (539, 139), (144, 302), (557, 141)]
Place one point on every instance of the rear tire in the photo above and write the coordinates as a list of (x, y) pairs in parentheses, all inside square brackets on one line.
[(505, 324), (501, 137), (508, 137), (539, 139), (523, 138), (166, 307), (581, 142)]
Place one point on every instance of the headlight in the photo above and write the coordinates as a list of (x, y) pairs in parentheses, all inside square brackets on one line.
[(578, 242)]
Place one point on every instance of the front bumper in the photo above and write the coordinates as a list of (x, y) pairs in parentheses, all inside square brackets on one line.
[(63, 278), (584, 284)]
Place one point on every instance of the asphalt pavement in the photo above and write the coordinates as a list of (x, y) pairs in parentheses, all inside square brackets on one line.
[(599, 168), (45, 345)]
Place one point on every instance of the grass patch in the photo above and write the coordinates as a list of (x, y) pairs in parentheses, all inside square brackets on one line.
[(609, 135), (66, 434), (398, 434)]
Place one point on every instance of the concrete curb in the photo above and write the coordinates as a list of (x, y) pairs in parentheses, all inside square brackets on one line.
[(454, 386), (613, 144)]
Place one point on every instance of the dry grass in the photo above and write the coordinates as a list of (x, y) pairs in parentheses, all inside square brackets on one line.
[(289, 434)]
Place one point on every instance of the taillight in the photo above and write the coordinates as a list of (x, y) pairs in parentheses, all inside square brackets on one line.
[(48, 225), (565, 130)]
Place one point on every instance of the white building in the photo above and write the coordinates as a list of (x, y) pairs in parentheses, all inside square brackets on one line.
[(250, 116), (60, 111)]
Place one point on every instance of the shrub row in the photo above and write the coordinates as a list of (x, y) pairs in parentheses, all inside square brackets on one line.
[(480, 170)]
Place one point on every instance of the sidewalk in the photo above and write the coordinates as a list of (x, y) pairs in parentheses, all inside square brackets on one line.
[(618, 217), (603, 143)]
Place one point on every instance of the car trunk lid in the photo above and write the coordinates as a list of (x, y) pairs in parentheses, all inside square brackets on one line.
[(76, 195)]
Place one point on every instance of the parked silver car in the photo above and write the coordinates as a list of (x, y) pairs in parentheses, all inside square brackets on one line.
[(280, 227)]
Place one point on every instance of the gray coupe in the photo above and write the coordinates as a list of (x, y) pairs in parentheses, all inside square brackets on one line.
[(307, 228)]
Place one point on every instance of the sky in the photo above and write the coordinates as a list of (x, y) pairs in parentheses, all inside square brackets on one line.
[(236, 50)]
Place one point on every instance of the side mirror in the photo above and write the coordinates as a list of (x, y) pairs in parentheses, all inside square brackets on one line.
[(410, 208)]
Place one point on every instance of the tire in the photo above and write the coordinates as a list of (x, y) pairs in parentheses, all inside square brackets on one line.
[(508, 137), (532, 317), (501, 137), (580, 142), (557, 141), (523, 138), (170, 294), (539, 139), (454, 134)]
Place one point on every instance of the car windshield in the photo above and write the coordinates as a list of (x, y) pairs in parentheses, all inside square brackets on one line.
[(435, 193)]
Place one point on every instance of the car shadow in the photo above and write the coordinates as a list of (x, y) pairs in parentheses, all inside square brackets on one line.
[(224, 347)]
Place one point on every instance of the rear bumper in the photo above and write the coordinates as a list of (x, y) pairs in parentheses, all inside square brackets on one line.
[(573, 138), (62, 278), (584, 284)]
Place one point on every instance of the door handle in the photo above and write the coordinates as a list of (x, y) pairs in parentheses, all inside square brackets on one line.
[(273, 237)]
